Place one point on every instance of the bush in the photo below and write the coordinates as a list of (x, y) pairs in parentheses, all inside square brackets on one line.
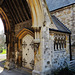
[(64, 71), (3, 51)]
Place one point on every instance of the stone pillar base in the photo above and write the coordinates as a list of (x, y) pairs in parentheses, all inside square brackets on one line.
[(48, 72), (9, 65)]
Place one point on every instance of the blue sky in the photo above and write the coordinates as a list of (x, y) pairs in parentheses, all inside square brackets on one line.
[(1, 26)]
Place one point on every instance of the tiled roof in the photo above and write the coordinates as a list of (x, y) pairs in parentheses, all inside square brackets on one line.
[(58, 25), (56, 4)]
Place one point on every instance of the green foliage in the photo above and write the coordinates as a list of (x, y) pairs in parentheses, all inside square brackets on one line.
[(3, 51), (64, 71)]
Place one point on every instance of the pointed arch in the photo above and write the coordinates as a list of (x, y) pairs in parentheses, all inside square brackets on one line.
[(24, 32), (36, 12), (5, 20)]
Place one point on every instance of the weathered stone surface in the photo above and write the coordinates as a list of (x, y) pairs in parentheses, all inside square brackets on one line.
[(67, 16), (45, 57)]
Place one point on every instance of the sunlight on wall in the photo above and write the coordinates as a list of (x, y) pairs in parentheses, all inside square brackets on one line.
[(1, 26)]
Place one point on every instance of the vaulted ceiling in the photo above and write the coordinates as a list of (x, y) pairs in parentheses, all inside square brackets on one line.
[(17, 11)]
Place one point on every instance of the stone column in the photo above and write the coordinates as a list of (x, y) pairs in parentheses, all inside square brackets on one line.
[(16, 51), (52, 37), (8, 63), (19, 51), (42, 54), (8, 46), (67, 48)]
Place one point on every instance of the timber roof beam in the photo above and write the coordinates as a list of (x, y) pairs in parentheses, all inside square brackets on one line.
[(24, 9), (20, 9), (11, 12), (17, 11)]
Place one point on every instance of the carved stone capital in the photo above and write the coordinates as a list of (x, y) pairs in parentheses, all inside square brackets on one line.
[(36, 41), (36, 46)]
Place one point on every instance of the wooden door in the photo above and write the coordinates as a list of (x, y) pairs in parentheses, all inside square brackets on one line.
[(28, 52)]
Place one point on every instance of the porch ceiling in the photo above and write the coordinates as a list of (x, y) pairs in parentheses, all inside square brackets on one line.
[(17, 11)]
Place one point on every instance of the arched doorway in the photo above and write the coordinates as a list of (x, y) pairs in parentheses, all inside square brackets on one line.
[(26, 45), (28, 52), (20, 19), (7, 30), (36, 23), (3, 48)]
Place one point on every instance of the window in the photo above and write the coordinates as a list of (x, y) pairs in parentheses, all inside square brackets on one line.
[(59, 42)]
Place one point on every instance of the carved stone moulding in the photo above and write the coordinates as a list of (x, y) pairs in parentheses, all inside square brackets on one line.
[(36, 44), (36, 41), (36, 27)]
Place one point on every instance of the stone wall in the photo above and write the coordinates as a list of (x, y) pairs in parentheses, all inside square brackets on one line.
[(67, 16), (20, 26), (59, 58)]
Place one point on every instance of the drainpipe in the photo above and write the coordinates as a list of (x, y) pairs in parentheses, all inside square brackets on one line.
[(70, 47)]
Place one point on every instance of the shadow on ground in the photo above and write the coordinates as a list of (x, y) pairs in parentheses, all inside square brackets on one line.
[(11, 72)]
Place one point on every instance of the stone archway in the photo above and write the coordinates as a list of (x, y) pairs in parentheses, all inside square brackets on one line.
[(36, 12), (36, 15), (40, 24), (19, 45), (7, 30), (28, 52), (5, 20)]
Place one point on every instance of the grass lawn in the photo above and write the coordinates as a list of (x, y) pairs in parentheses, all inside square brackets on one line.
[(4, 51)]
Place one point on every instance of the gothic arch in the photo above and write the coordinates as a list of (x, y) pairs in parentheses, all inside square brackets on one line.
[(7, 30), (24, 32), (5, 20), (21, 34), (19, 37), (36, 12)]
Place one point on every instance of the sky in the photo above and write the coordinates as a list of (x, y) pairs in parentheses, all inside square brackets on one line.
[(1, 26)]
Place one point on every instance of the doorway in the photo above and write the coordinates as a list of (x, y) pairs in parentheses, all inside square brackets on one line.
[(3, 48), (28, 52)]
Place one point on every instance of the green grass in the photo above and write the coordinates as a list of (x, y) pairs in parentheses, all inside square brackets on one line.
[(4, 51)]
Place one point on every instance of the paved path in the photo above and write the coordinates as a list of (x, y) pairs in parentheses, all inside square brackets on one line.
[(9, 72), (19, 71)]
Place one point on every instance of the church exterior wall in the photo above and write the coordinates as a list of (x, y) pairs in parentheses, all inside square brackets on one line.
[(59, 58), (45, 58), (67, 16)]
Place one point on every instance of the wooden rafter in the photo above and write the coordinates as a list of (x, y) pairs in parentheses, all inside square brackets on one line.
[(24, 9), (17, 11), (20, 9), (14, 11), (11, 12), (27, 8)]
